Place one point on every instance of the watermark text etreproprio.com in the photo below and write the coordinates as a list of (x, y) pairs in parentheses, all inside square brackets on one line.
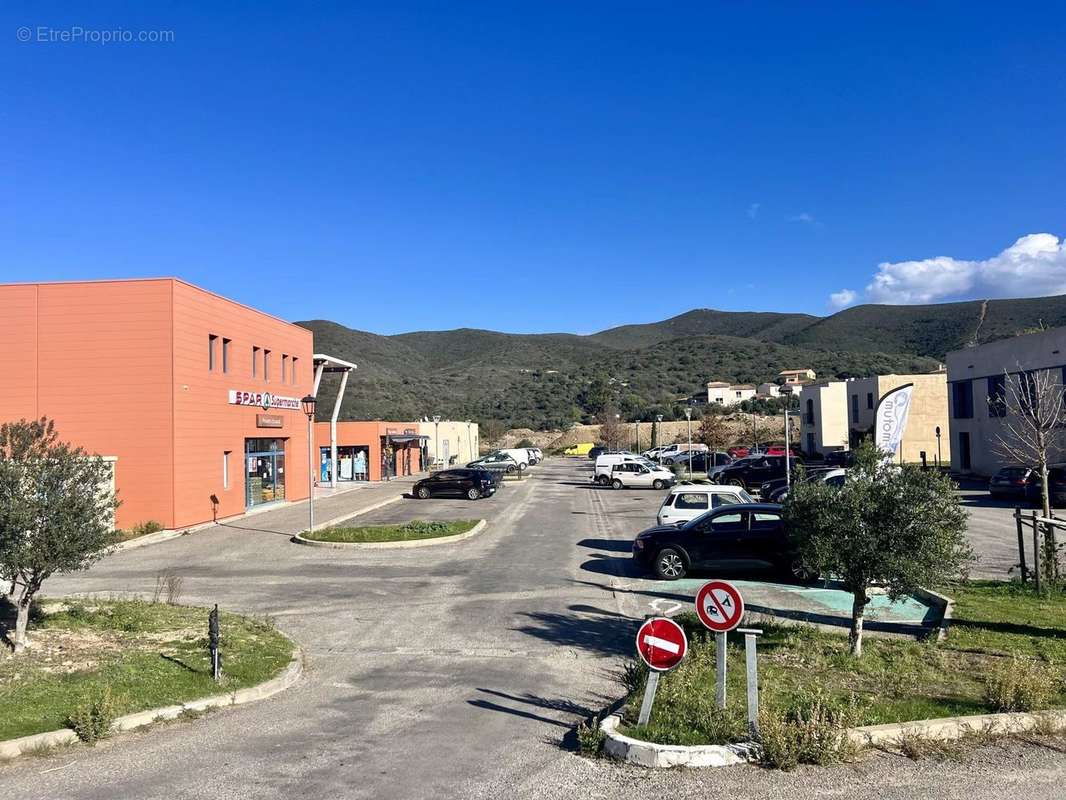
[(76, 34)]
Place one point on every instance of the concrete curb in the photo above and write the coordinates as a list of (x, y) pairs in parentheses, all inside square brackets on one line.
[(947, 728), (478, 528), (12, 748), (665, 756), (361, 511), (946, 606)]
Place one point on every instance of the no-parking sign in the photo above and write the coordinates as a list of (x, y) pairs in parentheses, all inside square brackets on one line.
[(719, 606)]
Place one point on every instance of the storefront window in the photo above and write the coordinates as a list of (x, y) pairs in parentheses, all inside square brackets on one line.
[(353, 463), (264, 471)]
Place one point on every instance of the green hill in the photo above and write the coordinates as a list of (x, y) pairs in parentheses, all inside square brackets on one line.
[(546, 380)]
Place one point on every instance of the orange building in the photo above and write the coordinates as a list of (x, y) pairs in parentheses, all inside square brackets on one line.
[(366, 450), (196, 396)]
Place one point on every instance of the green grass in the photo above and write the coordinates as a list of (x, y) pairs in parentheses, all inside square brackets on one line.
[(895, 680), (407, 531), (149, 654)]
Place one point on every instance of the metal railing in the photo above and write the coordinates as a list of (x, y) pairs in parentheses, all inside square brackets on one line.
[(1037, 523)]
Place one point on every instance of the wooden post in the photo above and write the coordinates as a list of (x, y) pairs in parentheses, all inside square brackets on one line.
[(1036, 553), (1021, 543)]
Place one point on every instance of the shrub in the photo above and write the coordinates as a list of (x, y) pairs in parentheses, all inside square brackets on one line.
[(422, 527), (1020, 684), (525, 443), (91, 720), (814, 731), (590, 738)]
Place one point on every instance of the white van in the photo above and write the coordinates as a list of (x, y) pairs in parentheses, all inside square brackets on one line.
[(636, 475), (604, 463), (673, 450), (690, 500)]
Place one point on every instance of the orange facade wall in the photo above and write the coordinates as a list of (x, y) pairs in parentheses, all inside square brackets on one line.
[(369, 434), (122, 368), (207, 425)]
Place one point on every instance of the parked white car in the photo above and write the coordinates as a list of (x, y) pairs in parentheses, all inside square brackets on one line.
[(689, 500), (604, 464), (638, 475), (673, 450), (519, 454)]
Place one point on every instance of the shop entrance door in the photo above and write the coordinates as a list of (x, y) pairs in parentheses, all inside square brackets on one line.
[(264, 480)]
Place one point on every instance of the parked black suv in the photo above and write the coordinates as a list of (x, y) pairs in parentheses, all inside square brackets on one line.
[(469, 483), (742, 536), (754, 471)]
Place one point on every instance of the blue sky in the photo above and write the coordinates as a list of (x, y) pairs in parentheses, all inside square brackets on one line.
[(540, 166)]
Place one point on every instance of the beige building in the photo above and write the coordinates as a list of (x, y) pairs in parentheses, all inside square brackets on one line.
[(823, 417), (928, 413), (728, 394), (768, 390), (451, 439), (797, 376), (976, 382)]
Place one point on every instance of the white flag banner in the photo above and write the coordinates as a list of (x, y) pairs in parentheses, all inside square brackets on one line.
[(890, 420)]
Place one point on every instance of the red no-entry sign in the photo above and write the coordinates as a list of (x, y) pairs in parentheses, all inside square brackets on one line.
[(661, 643), (719, 606)]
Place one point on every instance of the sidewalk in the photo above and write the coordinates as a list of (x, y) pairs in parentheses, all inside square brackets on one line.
[(292, 518)]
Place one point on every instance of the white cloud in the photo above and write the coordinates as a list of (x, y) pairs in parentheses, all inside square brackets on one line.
[(804, 217), (843, 298), (753, 210), (1033, 266)]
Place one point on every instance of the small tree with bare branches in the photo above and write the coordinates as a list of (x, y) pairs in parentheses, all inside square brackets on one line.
[(713, 432), (1032, 405), (612, 432)]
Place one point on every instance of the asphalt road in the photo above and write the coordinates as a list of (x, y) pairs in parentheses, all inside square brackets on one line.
[(449, 671)]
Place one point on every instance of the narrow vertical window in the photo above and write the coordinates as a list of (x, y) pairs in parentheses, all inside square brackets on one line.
[(284, 368), (225, 355), (295, 359), (266, 365), (211, 343), (225, 468), (255, 362)]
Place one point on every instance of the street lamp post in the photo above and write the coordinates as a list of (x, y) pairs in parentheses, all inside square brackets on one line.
[(308, 404), (788, 449), (436, 439), (658, 435), (938, 447), (688, 418), (470, 440)]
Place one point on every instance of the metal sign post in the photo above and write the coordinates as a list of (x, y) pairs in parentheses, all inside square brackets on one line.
[(720, 607), (751, 661), (661, 644), (649, 697), (719, 665), (213, 636)]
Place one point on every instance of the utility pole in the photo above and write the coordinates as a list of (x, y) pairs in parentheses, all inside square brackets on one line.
[(688, 418), (436, 439)]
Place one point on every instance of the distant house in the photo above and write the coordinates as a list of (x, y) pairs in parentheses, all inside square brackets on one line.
[(728, 394), (768, 390), (797, 376)]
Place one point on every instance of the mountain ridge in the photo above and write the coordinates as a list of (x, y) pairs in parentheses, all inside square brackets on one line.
[(543, 379)]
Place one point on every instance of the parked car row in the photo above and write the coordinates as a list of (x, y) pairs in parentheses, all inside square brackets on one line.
[(481, 477), (1024, 484), (629, 471)]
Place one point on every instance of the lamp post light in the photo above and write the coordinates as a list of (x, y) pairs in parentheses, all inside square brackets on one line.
[(788, 449), (470, 440), (938, 461), (658, 435), (436, 439), (308, 404), (688, 418)]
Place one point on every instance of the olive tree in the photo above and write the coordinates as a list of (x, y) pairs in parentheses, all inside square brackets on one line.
[(56, 511), (900, 528)]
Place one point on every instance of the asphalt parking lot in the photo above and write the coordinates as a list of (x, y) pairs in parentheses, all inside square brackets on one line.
[(449, 671)]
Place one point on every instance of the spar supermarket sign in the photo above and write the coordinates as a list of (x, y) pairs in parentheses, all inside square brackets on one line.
[(263, 400)]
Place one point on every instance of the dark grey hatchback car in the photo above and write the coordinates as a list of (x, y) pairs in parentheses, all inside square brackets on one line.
[(739, 537), (469, 483)]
